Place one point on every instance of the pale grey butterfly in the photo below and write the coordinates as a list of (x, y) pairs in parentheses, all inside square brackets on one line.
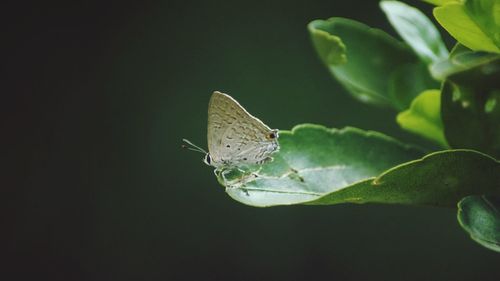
[(236, 139)]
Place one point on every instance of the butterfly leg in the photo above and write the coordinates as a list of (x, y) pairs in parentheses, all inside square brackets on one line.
[(265, 160), (254, 174), (223, 173), (238, 181)]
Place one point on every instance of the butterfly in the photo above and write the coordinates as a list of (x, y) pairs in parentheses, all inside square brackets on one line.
[(236, 139)]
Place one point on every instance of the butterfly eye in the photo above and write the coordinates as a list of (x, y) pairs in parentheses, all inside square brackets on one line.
[(207, 159), (271, 135)]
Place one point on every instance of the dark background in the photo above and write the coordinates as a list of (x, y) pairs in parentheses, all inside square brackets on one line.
[(96, 99)]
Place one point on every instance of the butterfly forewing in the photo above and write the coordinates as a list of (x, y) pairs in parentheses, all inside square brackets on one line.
[(234, 136)]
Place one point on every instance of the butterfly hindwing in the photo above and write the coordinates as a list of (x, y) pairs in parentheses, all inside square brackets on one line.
[(235, 137)]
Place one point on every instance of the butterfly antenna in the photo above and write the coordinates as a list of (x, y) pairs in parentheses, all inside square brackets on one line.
[(193, 147)]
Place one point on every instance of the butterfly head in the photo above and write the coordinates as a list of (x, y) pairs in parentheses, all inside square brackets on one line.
[(207, 159), (273, 134)]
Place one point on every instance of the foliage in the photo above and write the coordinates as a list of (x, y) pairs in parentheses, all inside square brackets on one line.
[(450, 98), (480, 217), (320, 166), (424, 117), (378, 76)]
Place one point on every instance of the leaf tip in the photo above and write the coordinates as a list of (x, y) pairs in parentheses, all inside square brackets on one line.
[(329, 47)]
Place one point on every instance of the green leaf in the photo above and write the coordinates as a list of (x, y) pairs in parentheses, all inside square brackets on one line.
[(486, 14), (314, 160), (461, 59), (408, 79), (316, 165), (329, 47), (368, 62), (416, 30), (456, 20), (470, 108), (441, 2), (439, 179), (480, 217), (424, 117)]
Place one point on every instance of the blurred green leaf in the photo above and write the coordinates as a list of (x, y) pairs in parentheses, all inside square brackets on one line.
[(408, 79), (368, 62), (486, 14), (454, 17), (480, 217), (316, 165), (416, 30), (424, 117), (441, 2), (461, 59), (470, 108), (329, 47)]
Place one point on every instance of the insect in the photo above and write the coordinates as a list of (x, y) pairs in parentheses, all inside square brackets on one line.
[(236, 139)]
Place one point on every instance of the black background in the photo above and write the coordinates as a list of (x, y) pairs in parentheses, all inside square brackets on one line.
[(96, 98)]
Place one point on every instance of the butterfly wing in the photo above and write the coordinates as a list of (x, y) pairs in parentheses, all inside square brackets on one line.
[(235, 137)]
